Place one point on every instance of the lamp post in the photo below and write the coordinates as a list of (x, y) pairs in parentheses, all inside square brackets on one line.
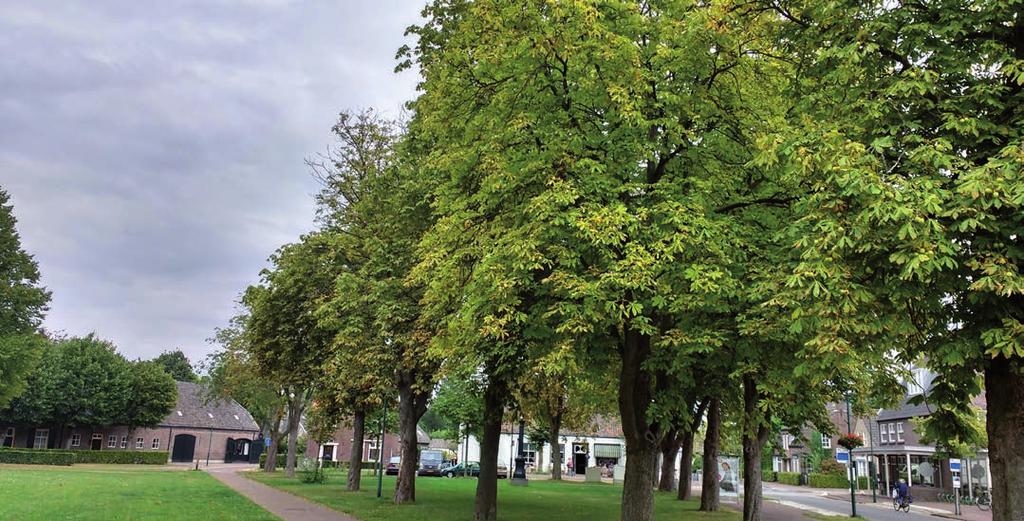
[(380, 451), (519, 475), (853, 475)]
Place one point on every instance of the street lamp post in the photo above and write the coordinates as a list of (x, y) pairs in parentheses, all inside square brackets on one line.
[(519, 474), (853, 475)]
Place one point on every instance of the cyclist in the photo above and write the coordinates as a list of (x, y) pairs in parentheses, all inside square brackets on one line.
[(903, 492)]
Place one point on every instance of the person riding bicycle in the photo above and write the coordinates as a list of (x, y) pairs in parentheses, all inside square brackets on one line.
[(903, 491)]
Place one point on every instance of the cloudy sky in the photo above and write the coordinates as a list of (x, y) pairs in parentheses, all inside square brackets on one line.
[(154, 151)]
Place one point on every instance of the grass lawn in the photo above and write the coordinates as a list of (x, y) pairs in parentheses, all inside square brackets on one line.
[(452, 499), (118, 492)]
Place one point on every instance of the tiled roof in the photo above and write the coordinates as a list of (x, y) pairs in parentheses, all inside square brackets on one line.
[(196, 409)]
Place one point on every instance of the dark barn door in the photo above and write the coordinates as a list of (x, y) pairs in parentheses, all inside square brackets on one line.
[(255, 449), (184, 448), (229, 451)]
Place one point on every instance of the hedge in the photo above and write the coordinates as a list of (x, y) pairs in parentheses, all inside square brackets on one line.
[(788, 478), (37, 456), (125, 457), (828, 481), (367, 465), (770, 476)]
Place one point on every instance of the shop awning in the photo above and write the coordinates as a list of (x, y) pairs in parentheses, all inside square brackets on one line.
[(604, 450)]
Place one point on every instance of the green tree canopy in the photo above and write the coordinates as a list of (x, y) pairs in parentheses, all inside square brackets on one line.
[(176, 364), (23, 302)]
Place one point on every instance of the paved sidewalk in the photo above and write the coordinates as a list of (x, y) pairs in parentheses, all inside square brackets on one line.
[(288, 507)]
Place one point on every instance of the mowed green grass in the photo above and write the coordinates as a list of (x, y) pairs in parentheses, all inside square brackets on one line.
[(118, 492), (452, 499)]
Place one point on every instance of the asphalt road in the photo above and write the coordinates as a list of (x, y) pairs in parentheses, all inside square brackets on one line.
[(881, 511)]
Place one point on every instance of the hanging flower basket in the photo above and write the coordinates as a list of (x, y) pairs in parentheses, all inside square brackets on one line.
[(850, 441)]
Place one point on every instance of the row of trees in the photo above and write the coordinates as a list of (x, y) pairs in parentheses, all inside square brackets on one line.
[(69, 382), (731, 211)]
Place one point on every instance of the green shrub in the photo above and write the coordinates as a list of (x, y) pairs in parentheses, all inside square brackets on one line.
[(788, 478), (828, 481), (862, 482), (282, 461), (37, 456), (121, 457), (310, 471), (770, 476)]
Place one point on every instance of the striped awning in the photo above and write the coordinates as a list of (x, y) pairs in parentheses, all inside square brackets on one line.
[(604, 450)]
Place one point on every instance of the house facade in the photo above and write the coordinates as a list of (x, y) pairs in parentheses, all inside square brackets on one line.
[(197, 429), (339, 446), (602, 445)]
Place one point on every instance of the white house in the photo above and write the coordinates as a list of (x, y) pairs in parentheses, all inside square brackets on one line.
[(603, 445)]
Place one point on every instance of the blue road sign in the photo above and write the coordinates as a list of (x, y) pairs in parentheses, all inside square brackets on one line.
[(843, 457), (266, 442), (954, 465)]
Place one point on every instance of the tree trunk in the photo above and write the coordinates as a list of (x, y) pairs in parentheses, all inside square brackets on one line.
[(355, 459), (556, 447), (642, 438), (686, 467), (1004, 388), (669, 451), (275, 439), (486, 508), (294, 416), (709, 485), (412, 404), (755, 434)]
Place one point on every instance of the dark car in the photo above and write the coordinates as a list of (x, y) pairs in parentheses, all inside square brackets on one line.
[(432, 463), (392, 468), (469, 469)]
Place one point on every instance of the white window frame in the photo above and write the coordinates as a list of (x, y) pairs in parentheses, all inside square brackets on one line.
[(892, 433), (76, 440), (156, 443), (785, 441), (124, 442), (826, 441), (46, 439), (111, 441), (371, 446), (140, 443), (899, 432)]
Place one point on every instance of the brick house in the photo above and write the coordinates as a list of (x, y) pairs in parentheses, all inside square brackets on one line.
[(339, 447), (196, 429)]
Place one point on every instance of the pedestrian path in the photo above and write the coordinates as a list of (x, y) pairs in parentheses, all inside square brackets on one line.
[(288, 507)]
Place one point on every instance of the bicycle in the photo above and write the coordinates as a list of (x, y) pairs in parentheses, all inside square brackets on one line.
[(901, 504), (983, 500)]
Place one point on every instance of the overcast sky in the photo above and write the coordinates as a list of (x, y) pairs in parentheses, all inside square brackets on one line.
[(154, 151)]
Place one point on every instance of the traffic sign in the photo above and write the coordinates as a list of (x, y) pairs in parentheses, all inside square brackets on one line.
[(956, 481), (954, 464), (843, 457)]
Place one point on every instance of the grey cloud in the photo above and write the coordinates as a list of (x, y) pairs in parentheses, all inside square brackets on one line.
[(154, 150)]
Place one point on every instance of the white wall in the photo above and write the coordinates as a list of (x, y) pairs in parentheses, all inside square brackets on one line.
[(508, 446)]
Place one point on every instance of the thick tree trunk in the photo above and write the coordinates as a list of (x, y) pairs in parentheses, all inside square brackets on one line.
[(642, 438), (755, 434), (1004, 388), (411, 406), (709, 485), (275, 440), (686, 467), (355, 459), (294, 417), (669, 452), (486, 508), (271, 463), (556, 446)]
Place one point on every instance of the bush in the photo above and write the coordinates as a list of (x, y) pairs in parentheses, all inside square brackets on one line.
[(310, 471), (831, 466), (121, 457), (37, 456), (788, 478), (828, 481), (770, 476), (282, 461), (862, 482)]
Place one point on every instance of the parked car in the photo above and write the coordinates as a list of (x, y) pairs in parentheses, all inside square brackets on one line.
[(432, 463), (469, 469), (502, 471), (392, 468)]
